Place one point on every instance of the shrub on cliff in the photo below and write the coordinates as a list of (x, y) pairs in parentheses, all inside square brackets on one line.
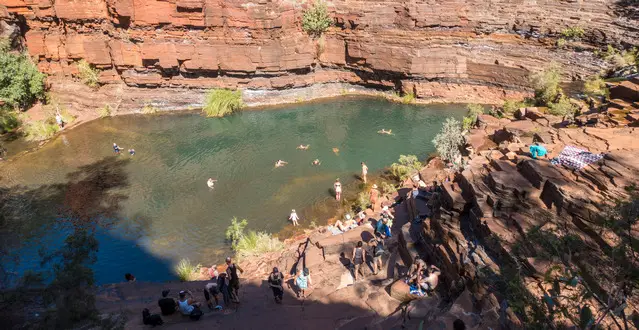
[(449, 140), (21, 83), (186, 271), (89, 75), (474, 110), (595, 86), (563, 107), (573, 33), (235, 230), (510, 106), (546, 84), (255, 243), (405, 165), (222, 102), (316, 19)]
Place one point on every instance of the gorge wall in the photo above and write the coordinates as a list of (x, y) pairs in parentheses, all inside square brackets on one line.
[(433, 48)]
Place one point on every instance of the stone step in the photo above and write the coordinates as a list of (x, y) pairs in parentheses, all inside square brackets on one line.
[(620, 104), (626, 90)]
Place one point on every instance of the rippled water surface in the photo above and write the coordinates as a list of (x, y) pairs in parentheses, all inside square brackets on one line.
[(158, 200)]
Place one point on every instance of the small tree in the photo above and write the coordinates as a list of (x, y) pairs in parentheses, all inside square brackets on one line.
[(449, 140), (89, 75), (474, 110), (405, 165), (510, 106), (21, 83), (316, 19), (235, 230), (546, 84)]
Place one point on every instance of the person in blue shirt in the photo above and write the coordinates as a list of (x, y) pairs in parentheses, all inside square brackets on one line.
[(382, 227), (538, 151)]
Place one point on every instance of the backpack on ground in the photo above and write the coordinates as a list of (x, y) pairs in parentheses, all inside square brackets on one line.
[(151, 319), (196, 314)]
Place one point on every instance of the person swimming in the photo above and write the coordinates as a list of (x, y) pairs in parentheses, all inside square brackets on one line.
[(336, 150), (303, 147), (383, 131), (280, 163), (131, 152), (316, 162), (211, 183), (116, 148)]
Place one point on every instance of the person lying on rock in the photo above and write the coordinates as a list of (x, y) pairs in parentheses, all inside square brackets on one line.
[(347, 224), (429, 279)]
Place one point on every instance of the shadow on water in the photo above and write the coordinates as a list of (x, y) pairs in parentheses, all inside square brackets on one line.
[(36, 221)]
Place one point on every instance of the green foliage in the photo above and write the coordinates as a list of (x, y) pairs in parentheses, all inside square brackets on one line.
[(105, 111), (620, 59), (405, 165), (149, 109), (510, 106), (235, 230), (222, 102), (21, 84), (256, 243), (186, 271), (563, 107), (408, 98), (595, 86), (8, 120), (388, 188), (449, 140), (468, 123), (316, 20), (363, 201), (89, 75), (70, 295), (470, 120), (546, 84), (573, 33), (39, 130), (561, 43)]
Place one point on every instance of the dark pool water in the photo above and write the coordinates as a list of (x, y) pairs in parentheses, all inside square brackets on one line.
[(158, 203)]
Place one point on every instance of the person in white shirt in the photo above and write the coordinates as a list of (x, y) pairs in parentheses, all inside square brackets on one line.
[(293, 217)]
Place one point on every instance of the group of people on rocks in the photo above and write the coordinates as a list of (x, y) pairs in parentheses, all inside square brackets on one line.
[(226, 283), (421, 278)]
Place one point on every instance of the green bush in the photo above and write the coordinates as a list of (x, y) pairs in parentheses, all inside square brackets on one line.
[(573, 33), (89, 75), (316, 20), (474, 110), (105, 111), (21, 84), (620, 59), (235, 230), (449, 140), (563, 107), (222, 102), (388, 188), (510, 106), (8, 121), (595, 86), (546, 84), (561, 43), (186, 271), (149, 109), (363, 200), (256, 243), (405, 165), (39, 130), (408, 98)]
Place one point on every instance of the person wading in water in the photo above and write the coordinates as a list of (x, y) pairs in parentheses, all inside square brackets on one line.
[(364, 171), (234, 279), (338, 189)]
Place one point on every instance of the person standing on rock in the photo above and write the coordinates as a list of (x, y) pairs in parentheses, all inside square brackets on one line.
[(378, 252), (338, 190), (303, 280), (373, 194), (234, 279), (364, 172), (275, 281), (358, 259)]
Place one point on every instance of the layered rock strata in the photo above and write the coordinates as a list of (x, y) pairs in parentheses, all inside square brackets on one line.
[(431, 48)]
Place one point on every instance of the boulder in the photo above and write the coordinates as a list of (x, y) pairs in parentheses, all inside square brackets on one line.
[(401, 291)]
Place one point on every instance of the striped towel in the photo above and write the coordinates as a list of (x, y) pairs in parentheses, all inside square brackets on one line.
[(576, 158)]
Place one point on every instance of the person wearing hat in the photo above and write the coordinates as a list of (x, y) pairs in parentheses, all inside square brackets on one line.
[(167, 304), (293, 217), (373, 194), (187, 305), (275, 281)]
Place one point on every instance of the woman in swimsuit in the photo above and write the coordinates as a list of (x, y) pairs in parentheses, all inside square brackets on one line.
[(338, 189), (303, 147)]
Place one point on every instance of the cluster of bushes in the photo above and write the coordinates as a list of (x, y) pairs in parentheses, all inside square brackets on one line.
[(473, 112), (316, 20), (570, 33), (21, 84), (405, 166), (186, 271), (549, 93), (251, 243), (620, 58)]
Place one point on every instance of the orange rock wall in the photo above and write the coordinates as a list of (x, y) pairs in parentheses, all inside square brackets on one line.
[(260, 45)]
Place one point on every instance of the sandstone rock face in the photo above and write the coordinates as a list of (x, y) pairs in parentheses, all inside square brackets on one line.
[(435, 49)]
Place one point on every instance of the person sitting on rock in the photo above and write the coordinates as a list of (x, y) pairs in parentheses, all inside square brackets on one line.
[(187, 305), (416, 268), (537, 150), (347, 224), (167, 304), (382, 227), (428, 283)]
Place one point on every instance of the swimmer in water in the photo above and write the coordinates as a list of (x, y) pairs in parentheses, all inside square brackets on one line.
[(336, 150), (280, 163), (316, 162), (116, 148), (211, 183), (131, 152), (383, 131), (303, 147)]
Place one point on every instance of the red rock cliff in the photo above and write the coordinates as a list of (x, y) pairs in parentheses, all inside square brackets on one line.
[(412, 44)]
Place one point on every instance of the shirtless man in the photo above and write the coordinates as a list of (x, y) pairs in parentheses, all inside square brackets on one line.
[(211, 183), (303, 147), (280, 163), (383, 131), (316, 162), (364, 171)]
